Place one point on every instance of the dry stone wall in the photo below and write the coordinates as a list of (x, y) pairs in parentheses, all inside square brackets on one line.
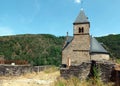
[(16, 70), (84, 71), (80, 71)]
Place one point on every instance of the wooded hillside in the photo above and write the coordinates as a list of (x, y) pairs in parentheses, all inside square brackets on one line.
[(36, 49), (112, 44), (45, 49)]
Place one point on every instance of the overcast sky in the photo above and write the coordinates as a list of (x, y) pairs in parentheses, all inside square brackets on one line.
[(57, 16)]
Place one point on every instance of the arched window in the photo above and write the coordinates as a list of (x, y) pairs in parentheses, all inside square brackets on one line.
[(81, 30)]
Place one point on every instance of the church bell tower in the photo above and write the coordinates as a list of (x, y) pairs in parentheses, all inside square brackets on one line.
[(81, 24), (77, 48), (81, 40)]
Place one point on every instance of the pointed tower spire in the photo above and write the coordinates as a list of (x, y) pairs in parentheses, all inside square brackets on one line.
[(81, 18)]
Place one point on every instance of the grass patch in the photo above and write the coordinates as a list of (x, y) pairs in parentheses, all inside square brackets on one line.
[(117, 61), (74, 81), (51, 69)]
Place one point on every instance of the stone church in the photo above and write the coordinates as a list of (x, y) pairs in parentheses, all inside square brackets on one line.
[(82, 47)]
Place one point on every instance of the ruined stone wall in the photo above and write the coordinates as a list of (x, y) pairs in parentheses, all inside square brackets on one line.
[(105, 70), (83, 71), (6, 70), (16, 70), (80, 71)]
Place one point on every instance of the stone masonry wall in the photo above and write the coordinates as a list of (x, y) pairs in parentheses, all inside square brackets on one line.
[(77, 50), (80, 71), (99, 57), (16, 70), (76, 28), (83, 71)]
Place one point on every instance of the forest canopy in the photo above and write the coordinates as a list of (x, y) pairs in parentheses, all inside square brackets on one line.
[(45, 49)]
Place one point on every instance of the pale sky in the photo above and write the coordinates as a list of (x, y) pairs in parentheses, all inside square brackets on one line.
[(57, 16)]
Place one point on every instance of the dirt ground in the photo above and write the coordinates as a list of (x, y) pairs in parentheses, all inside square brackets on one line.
[(31, 79)]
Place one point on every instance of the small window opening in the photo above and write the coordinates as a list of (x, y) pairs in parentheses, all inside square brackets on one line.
[(81, 30)]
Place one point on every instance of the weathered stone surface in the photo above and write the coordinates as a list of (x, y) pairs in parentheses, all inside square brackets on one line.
[(78, 50), (80, 71), (100, 56), (79, 47), (83, 71), (16, 70), (105, 70)]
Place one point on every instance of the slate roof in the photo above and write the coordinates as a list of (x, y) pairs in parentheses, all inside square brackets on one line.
[(70, 38), (81, 18), (95, 46)]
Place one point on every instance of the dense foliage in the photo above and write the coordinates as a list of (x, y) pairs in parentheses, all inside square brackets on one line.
[(45, 49), (36, 49), (112, 44)]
